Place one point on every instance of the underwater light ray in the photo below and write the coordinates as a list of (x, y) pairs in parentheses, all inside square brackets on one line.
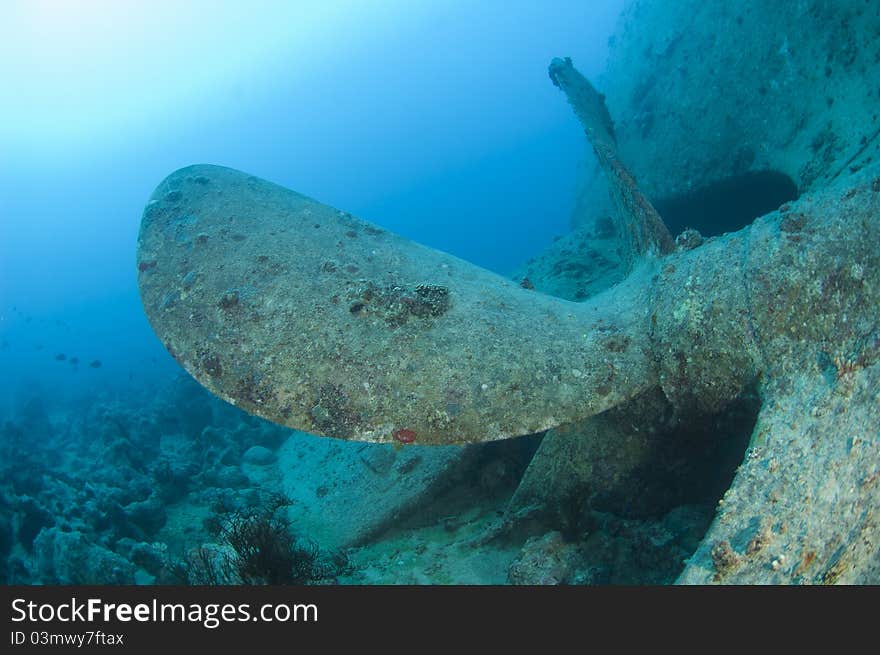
[(80, 74)]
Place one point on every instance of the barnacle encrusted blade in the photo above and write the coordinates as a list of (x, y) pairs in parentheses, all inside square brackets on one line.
[(639, 227), (311, 318), (783, 521)]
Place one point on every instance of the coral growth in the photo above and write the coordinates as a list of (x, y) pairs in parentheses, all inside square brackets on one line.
[(258, 546)]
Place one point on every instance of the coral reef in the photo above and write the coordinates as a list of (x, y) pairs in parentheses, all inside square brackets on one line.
[(178, 487)]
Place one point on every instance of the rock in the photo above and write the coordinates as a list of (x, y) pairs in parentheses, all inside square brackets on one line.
[(804, 507), (32, 519), (264, 434), (149, 515), (230, 477), (150, 556), (141, 577), (545, 560), (173, 477), (71, 558), (33, 418), (6, 538), (258, 455), (19, 570)]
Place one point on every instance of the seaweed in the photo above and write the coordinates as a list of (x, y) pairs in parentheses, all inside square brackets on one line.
[(258, 546)]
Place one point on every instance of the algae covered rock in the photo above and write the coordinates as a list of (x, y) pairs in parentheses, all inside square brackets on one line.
[(258, 455), (545, 560)]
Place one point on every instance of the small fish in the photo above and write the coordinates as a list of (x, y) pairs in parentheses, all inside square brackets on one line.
[(96, 364), (60, 357), (74, 361)]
